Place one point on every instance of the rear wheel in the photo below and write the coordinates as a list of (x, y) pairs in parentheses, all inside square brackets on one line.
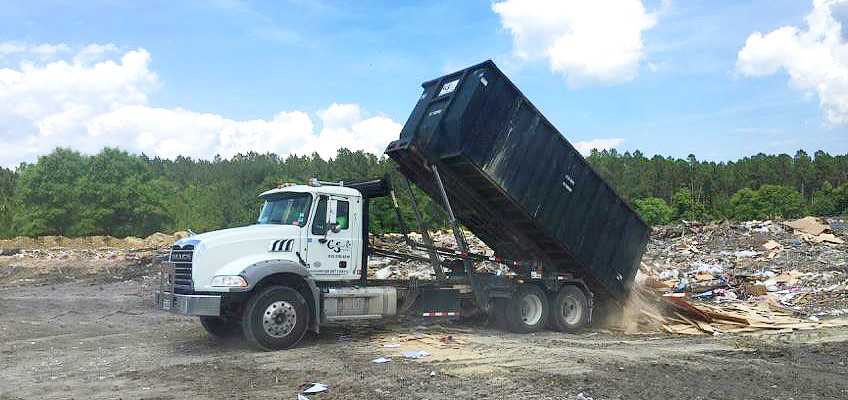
[(221, 328), (528, 309), (275, 318), (570, 310), (499, 306)]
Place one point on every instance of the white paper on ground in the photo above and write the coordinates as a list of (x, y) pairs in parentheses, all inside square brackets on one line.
[(416, 354), (316, 387)]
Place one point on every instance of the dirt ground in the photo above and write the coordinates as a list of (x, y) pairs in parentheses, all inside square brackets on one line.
[(75, 333)]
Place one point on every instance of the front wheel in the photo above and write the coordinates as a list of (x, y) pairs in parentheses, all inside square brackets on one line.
[(570, 310), (275, 318)]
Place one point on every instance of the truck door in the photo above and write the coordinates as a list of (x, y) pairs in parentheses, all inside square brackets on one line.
[(329, 245)]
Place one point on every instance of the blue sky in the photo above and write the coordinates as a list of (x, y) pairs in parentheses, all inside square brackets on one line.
[(221, 77)]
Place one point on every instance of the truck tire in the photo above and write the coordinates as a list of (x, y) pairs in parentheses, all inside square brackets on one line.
[(221, 328), (570, 310), (499, 311), (275, 318), (528, 309)]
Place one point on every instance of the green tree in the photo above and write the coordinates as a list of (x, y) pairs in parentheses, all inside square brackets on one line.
[(686, 206), (7, 202), (50, 196), (824, 201), (653, 210), (775, 202), (745, 205)]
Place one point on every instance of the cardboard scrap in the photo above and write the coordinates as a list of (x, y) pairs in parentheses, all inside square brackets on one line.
[(756, 290), (771, 245), (829, 237), (810, 225)]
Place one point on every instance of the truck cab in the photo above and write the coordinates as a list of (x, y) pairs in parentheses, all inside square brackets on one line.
[(306, 250), (320, 226)]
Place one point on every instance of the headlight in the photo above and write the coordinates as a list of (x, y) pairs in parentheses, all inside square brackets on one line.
[(229, 281)]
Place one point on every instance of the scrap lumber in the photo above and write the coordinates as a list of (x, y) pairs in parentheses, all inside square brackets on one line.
[(681, 316)]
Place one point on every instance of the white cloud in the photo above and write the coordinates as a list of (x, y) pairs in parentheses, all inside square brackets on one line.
[(12, 47), (49, 49), (587, 42), (816, 59), (344, 127), (340, 115), (601, 144), (100, 98)]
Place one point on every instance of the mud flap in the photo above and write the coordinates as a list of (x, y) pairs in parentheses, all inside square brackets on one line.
[(437, 302)]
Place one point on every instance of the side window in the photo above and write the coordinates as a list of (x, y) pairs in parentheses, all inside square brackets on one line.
[(342, 214), (319, 223)]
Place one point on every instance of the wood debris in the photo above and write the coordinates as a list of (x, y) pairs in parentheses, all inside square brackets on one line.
[(677, 314), (437, 341)]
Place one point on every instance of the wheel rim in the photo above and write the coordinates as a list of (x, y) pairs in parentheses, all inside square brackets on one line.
[(531, 309), (279, 319), (571, 310)]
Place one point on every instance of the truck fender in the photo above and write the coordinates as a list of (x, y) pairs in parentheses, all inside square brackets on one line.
[(257, 272)]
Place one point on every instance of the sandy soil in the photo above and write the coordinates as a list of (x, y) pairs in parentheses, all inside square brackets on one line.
[(87, 335)]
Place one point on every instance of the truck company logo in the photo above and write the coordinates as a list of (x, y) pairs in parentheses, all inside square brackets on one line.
[(282, 245), (338, 245)]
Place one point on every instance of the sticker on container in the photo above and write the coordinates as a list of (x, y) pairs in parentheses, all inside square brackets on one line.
[(449, 87)]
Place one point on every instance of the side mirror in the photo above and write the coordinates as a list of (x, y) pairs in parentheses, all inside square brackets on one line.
[(332, 224)]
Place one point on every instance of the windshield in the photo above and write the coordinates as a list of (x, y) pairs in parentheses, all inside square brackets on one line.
[(286, 208)]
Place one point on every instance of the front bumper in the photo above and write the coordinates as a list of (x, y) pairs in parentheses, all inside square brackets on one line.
[(188, 304)]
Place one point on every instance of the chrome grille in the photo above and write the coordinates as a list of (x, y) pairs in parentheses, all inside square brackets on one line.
[(181, 257)]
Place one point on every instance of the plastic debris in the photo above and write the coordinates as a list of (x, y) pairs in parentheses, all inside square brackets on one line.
[(316, 387), (383, 273), (302, 397), (415, 354), (381, 360)]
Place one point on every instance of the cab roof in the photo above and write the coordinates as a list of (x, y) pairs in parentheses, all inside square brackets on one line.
[(323, 189)]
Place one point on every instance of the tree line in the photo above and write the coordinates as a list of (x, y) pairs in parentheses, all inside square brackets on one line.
[(120, 194), (757, 187)]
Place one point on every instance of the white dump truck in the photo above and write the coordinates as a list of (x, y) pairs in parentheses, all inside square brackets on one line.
[(496, 165)]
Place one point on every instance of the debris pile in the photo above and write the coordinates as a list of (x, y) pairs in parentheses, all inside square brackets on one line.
[(742, 277), (154, 241), (710, 278), (386, 268), (103, 253)]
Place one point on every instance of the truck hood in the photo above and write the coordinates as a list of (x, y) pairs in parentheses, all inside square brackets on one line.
[(229, 251), (232, 236)]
